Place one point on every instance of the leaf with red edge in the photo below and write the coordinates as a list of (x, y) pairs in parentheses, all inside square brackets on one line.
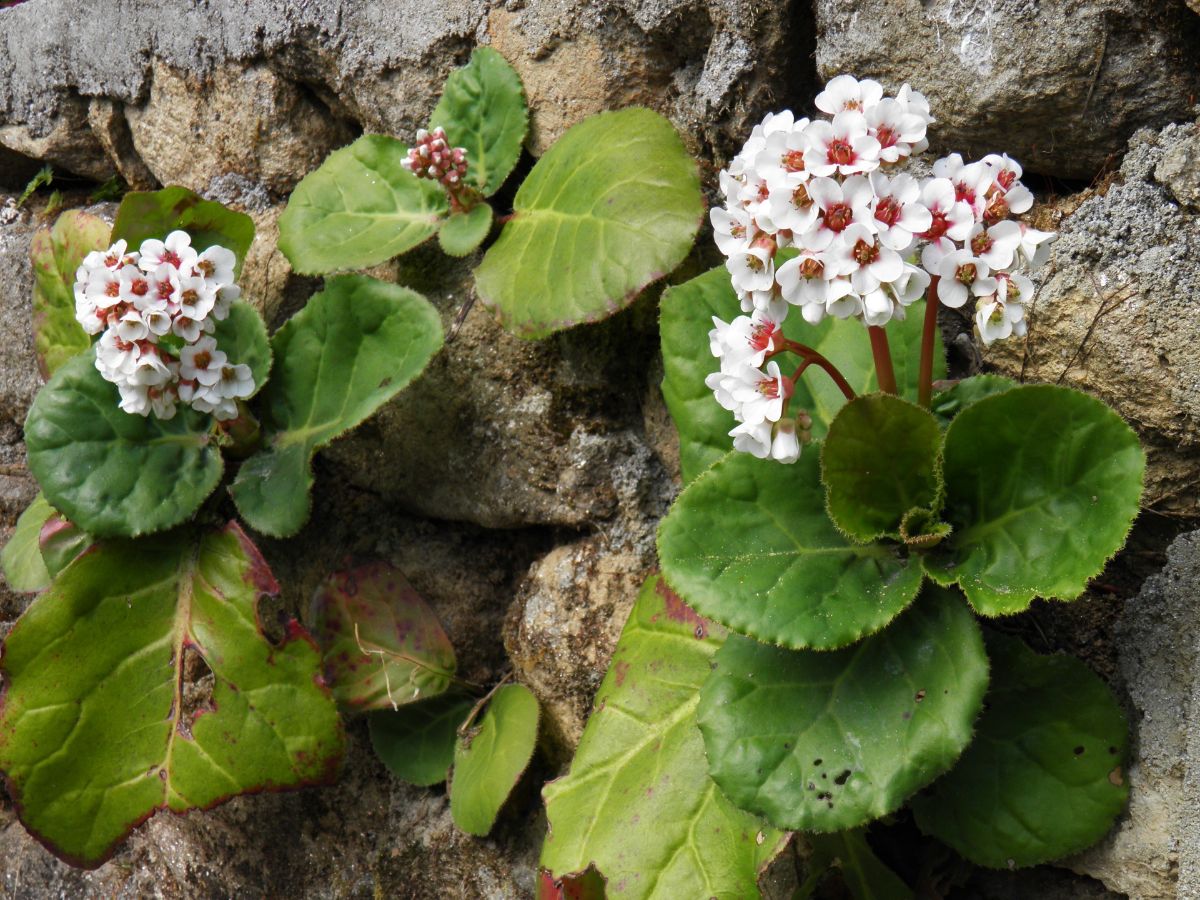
[(60, 542), (142, 680), (585, 885), (55, 254), (383, 643)]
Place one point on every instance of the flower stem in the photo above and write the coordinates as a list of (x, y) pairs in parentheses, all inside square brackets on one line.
[(812, 357), (883, 359), (925, 375)]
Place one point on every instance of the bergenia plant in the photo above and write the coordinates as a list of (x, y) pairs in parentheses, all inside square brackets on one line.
[(612, 206), (142, 677), (815, 641)]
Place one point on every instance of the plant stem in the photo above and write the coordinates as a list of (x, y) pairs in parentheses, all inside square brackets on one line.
[(883, 359), (925, 375), (812, 357)]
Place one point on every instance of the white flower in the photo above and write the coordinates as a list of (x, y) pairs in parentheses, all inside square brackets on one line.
[(216, 264), (842, 301), (201, 362), (131, 328), (897, 210), (745, 341), (789, 206), (753, 438), (785, 445), (176, 251), (236, 382), (752, 269), (1034, 247), (896, 129), (963, 276), (841, 205), (842, 146), (116, 359), (859, 254), (197, 297), (950, 217), (188, 329), (760, 397), (845, 92), (803, 282), (997, 320), (733, 229), (995, 245), (910, 286)]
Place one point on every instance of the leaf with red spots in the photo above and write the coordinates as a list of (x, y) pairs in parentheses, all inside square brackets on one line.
[(587, 885), (383, 643), (142, 680), (638, 804), (56, 253)]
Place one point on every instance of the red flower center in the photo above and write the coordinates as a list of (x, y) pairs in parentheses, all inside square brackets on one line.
[(793, 161), (864, 253), (886, 136), (888, 211), (967, 274), (812, 268), (981, 243), (938, 227), (840, 152), (839, 216)]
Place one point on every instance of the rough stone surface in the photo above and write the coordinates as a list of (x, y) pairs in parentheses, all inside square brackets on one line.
[(1116, 313), (1152, 852), (1059, 86)]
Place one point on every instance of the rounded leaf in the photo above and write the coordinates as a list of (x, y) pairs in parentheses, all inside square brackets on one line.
[(416, 742), (1043, 777), (490, 757), (155, 214), (879, 461), (358, 208), (614, 205), (463, 232), (949, 403), (828, 741), (483, 111), (750, 545), (1042, 486), (112, 473)]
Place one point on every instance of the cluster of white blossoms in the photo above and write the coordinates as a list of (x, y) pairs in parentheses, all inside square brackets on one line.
[(155, 310), (865, 240)]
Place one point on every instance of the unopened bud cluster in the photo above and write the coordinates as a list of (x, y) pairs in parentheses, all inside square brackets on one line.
[(865, 238), (432, 157), (155, 310)]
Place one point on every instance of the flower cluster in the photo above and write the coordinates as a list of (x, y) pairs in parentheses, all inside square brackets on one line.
[(432, 157), (155, 310), (861, 239)]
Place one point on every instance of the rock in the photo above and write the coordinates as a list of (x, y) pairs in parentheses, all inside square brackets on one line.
[(237, 119), (1116, 314), (1059, 86), (111, 128), (65, 141), (1179, 169), (1155, 849)]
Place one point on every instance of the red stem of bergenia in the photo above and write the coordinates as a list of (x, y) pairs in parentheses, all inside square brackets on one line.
[(928, 336), (883, 359), (812, 357)]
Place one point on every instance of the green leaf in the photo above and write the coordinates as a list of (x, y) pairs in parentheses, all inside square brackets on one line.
[(155, 214), (489, 758), (102, 722), (56, 253), (21, 558), (416, 742), (1043, 777), (463, 232), (242, 337), (1042, 485), (61, 542), (359, 208), (749, 544), (483, 110), (828, 741), (880, 460), (637, 802), (613, 206), (950, 402), (686, 319), (111, 473), (355, 345), (864, 874), (383, 643)]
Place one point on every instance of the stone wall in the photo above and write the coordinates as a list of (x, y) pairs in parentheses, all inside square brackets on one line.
[(519, 484)]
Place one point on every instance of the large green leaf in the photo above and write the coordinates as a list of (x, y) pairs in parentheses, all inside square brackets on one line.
[(686, 319), (949, 403), (106, 718), (827, 741), (416, 742), (614, 205), (880, 460), (24, 568), (155, 214), (490, 757), (637, 803), (359, 208), (112, 473), (56, 253), (749, 544), (354, 346), (383, 643), (1043, 777), (483, 110), (1042, 485), (242, 337)]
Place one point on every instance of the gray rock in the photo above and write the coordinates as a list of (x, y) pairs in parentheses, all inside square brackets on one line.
[(1060, 86), (1116, 313), (1155, 850), (1179, 169)]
